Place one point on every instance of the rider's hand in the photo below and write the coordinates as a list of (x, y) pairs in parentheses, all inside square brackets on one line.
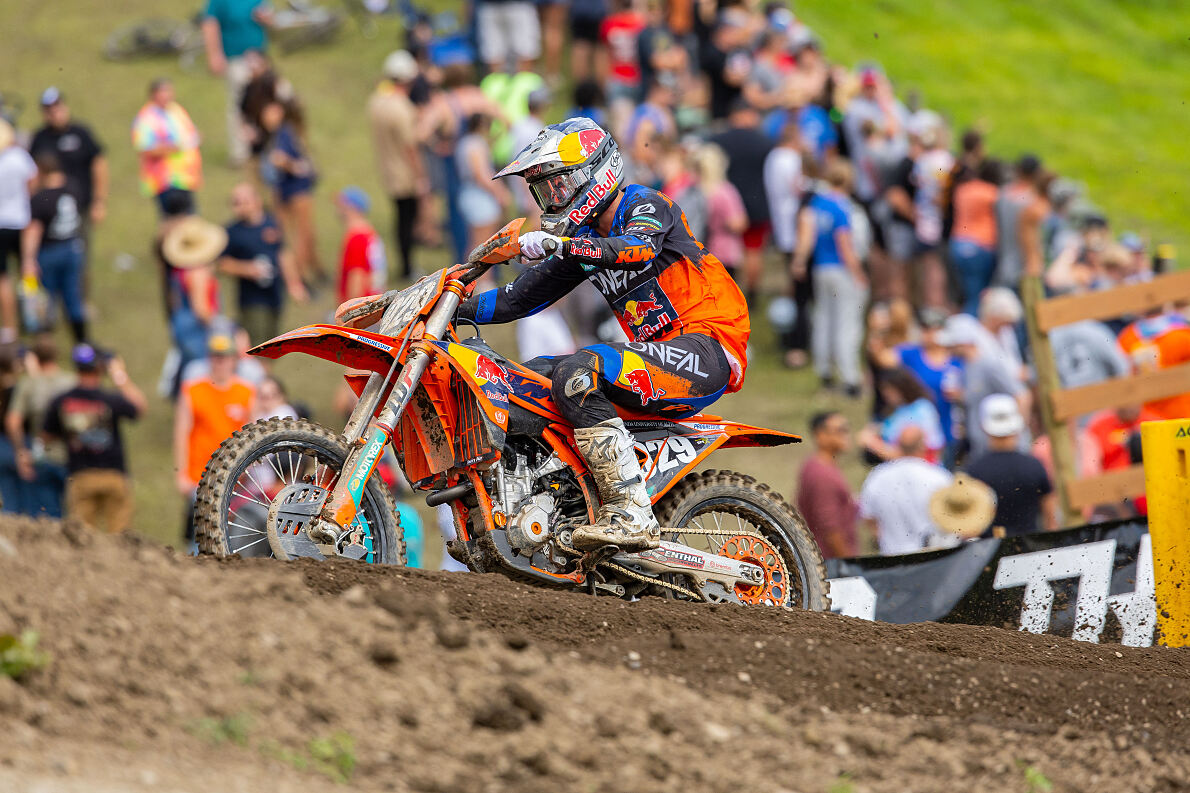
[(533, 244)]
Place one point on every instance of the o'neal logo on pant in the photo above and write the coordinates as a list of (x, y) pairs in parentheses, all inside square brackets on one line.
[(645, 311)]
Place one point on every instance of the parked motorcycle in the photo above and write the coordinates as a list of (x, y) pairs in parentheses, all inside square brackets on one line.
[(480, 432)]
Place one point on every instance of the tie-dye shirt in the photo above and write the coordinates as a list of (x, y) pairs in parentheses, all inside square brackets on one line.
[(155, 126)]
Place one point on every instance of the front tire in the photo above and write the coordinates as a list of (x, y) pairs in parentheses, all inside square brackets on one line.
[(231, 505), (727, 495)]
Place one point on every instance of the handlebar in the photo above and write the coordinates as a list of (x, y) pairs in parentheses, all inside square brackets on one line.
[(550, 247)]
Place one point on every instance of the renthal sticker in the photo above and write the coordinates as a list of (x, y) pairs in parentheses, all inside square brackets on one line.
[(602, 189), (583, 247), (674, 556), (634, 254), (641, 383)]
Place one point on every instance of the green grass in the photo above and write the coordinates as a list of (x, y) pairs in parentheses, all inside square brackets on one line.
[(1097, 88), (19, 655)]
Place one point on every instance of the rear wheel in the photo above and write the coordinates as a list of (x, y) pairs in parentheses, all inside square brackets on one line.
[(745, 519), (254, 464)]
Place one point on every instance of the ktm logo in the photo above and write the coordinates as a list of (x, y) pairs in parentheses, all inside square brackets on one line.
[(638, 311), (634, 254)]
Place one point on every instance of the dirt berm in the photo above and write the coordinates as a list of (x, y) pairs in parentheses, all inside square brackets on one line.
[(168, 673)]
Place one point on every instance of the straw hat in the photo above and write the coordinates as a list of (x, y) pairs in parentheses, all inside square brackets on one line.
[(7, 134), (965, 507), (193, 242)]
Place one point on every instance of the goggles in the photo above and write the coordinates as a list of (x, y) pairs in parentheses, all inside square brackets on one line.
[(558, 190)]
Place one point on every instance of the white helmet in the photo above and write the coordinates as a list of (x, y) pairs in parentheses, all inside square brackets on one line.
[(574, 171)]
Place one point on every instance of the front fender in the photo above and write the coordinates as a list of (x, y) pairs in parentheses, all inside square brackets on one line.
[(355, 349)]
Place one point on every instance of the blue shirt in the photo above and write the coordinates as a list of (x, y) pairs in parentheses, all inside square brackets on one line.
[(814, 124), (936, 380), (238, 29), (251, 243), (921, 414), (830, 216)]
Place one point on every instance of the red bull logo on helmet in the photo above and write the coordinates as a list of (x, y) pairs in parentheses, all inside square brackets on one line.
[(602, 189), (578, 146), (641, 383)]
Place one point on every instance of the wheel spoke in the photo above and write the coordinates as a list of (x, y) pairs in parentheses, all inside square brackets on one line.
[(264, 493), (249, 545), (270, 457), (248, 496), (245, 528)]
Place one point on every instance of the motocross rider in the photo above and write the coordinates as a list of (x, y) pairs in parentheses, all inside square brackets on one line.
[(686, 319)]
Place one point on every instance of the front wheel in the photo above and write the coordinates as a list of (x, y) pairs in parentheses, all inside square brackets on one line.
[(253, 465), (739, 517)]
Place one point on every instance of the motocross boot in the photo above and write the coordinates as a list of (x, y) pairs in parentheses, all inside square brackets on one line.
[(626, 518)]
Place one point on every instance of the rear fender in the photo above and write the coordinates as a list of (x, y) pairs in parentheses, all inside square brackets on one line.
[(355, 349)]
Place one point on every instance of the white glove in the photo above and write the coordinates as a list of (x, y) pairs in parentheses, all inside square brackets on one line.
[(533, 244)]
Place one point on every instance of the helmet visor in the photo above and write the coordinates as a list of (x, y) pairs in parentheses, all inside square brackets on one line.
[(558, 190)]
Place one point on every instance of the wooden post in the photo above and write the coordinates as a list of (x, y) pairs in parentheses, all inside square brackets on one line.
[(1048, 383)]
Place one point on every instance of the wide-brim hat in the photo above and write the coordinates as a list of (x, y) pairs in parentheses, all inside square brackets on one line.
[(965, 507), (193, 242)]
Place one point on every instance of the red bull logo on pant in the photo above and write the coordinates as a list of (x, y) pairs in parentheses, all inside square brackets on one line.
[(641, 383)]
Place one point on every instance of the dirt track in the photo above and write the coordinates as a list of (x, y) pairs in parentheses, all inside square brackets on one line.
[(171, 674)]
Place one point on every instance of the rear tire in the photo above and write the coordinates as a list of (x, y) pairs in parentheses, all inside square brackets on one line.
[(733, 493), (253, 444)]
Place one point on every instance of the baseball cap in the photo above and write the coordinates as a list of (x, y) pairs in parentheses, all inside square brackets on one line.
[(85, 356), (1132, 241), (958, 331), (51, 96), (400, 66), (1000, 416), (220, 343), (868, 76), (356, 198)]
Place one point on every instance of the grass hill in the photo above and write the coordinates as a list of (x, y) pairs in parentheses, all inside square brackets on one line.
[(1096, 87)]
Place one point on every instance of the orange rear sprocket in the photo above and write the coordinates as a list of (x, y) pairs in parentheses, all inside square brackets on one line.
[(760, 552)]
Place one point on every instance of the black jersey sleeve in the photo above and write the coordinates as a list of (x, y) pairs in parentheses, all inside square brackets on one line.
[(647, 221), (535, 289)]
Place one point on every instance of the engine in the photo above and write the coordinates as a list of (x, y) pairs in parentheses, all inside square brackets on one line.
[(528, 502)]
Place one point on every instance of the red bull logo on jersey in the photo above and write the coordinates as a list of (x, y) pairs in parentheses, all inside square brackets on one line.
[(641, 383), (646, 312)]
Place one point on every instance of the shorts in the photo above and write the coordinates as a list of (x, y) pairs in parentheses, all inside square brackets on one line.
[(478, 207), (899, 240), (292, 186), (756, 235), (585, 28), (10, 244), (508, 28)]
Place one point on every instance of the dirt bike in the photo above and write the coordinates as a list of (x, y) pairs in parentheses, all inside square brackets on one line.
[(480, 433)]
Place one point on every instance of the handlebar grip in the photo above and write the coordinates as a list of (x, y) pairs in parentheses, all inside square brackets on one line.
[(550, 247)]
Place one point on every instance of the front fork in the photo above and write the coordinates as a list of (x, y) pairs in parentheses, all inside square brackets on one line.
[(368, 438)]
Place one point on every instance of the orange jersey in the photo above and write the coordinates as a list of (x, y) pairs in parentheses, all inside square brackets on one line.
[(217, 413), (1156, 343)]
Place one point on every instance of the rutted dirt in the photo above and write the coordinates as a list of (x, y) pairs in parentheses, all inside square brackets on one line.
[(172, 674)]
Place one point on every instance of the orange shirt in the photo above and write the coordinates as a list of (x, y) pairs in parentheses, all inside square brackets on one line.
[(1155, 343), (975, 212), (217, 413)]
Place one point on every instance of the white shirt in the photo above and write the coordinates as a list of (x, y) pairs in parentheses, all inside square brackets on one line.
[(16, 169), (896, 496), (783, 187)]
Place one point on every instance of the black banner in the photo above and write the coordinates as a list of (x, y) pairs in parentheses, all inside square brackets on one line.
[(1093, 583)]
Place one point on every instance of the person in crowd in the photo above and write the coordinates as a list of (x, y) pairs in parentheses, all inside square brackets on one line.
[(727, 220), (1014, 197), (618, 34), (272, 401), (230, 30), (987, 369), (1108, 436), (768, 85), (973, 240), (823, 495), (826, 251), (966, 166), (1140, 269), (208, 411), (189, 247), (930, 170), (12, 488), (523, 131), (1086, 353), (362, 267), (286, 167), (263, 268), (940, 371), (1030, 226), (875, 103), (895, 498), (52, 243), (167, 142), (889, 326), (1160, 340), (783, 189), (1024, 494), (393, 118), (586, 22), (482, 199), (726, 58), (88, 419), (589, 102), (552, 15), (264, 88), (510, 92), (79, 153), (747, 148), (509, 34), (248, 368), (652, 121), (897, 223), (907, 404), (18, 177), (40, 461)]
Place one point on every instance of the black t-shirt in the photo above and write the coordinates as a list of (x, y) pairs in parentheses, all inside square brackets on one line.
[(88, 419), (902, 177), (1020, 482), (746, 151), (76, 149), (58, 209), (715, 62), (251, 243)]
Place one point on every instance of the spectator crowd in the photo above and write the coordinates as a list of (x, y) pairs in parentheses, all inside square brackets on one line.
[(886, 251)]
